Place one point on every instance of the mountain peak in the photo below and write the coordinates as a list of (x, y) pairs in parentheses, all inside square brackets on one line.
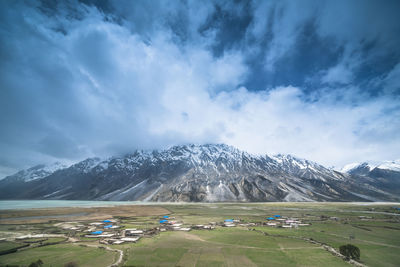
[(193, 172), (37, 172)]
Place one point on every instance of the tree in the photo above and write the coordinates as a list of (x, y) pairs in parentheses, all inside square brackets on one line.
[(350, 251), (37, 263)]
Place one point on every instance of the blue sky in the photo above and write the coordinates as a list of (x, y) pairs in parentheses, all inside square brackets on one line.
[(317, 79)]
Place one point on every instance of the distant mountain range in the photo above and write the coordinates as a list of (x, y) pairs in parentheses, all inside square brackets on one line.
[(204, 173)]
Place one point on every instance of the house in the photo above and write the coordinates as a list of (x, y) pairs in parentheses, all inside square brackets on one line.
[(184, 229), (106, 235), (97, 233), (130, 239), (133, 232)]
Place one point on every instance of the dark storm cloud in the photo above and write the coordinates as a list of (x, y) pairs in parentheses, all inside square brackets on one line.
[(85, 78)]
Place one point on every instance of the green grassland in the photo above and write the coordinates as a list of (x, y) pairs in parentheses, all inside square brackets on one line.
[(6, 245), (58, 255), (377, 234), (227, 247)]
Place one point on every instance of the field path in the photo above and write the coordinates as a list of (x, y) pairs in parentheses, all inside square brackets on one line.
[(367, 241), (194, 237), (121, 252), (328, 248)]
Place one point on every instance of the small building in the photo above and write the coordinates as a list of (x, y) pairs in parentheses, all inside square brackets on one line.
[(97, 233), (106, 221), (133, 232), (130, 239), (107, 226), (186, 229), (106, 235)]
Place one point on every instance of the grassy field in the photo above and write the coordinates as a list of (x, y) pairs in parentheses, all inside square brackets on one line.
[(58, 255), (6, 245), (227, 247), (376, 233)]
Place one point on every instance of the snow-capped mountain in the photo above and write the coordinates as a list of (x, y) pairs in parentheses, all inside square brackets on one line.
[(199, 173), (37, 172), (383, 175), (385, 165)]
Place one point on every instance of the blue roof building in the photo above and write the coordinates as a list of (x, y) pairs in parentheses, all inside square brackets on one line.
[(106, 221), (277, 216), (108, 226), (163, 221), (97, 233), (270, 218), (229, 220), (166, 217)]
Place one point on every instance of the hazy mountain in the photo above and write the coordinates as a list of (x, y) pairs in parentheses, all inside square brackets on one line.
[(205, 173), (384, 175)]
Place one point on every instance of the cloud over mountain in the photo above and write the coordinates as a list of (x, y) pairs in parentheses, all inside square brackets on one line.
[(83, 78)]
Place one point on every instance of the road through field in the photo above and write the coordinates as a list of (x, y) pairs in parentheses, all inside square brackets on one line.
[(120, 252)]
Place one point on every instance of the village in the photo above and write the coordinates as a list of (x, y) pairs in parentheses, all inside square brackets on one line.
[(111, 232), (120, 237)]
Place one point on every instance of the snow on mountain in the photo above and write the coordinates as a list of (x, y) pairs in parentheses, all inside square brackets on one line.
[(385, 165), (390, 165), (210, 172), (37, 172), (350, 167)]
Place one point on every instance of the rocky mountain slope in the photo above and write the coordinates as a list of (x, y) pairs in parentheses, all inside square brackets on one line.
[(201, 173), (385, 175)]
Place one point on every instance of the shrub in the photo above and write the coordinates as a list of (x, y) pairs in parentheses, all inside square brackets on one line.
[(71, 264), (350, 251), (37, 263)]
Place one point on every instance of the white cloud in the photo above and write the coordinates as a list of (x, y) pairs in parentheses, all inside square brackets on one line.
[(102, 89)]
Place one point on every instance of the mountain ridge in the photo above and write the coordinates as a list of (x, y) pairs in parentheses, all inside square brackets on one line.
[(202, 173)]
